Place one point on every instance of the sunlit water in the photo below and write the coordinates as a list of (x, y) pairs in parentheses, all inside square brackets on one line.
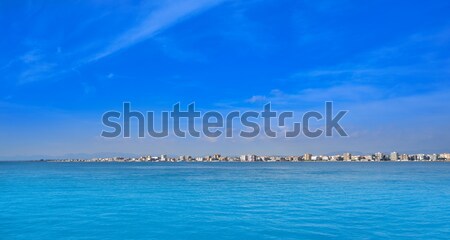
[(224, 200)]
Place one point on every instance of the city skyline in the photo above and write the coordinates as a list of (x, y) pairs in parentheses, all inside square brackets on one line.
[(307, 157)]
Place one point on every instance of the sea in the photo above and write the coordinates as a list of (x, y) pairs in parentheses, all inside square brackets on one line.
[(225, 200)]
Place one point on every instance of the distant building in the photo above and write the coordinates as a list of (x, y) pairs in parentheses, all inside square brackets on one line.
[(379, 156), (185, 158), (433, 157), (394, 156), (404, 157), (420, 157), (336, 158), (445, 156), (347, 156), (248, 158), (307, 157)]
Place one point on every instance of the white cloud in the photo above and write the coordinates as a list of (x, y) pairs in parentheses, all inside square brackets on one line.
[(157, 21), (257, 98), (41, 63), (342, 92)]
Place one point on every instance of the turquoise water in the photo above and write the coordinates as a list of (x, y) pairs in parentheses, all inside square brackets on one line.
[(224, 200)]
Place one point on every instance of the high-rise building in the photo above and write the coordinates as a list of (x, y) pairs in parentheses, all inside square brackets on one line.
[(307, 157), (379, 156), (394, 156)]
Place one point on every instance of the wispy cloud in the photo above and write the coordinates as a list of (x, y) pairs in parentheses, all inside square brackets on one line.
[(347, 92), (162, 18), (257, 98), (416, 55), (42, 62)]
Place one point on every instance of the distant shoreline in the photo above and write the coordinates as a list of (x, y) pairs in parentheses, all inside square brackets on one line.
[(194, 162)]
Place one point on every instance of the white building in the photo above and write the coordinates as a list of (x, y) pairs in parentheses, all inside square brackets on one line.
[(394, 156)]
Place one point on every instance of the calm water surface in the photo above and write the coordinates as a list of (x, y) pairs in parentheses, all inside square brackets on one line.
[(224, 200)]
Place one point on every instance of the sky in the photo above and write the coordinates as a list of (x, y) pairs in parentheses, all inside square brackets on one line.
[(65, 63)]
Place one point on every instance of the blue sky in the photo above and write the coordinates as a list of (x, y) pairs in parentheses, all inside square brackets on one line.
[(63, 64)]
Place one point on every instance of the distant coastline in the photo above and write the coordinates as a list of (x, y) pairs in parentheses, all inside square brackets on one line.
[(346, 157)]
